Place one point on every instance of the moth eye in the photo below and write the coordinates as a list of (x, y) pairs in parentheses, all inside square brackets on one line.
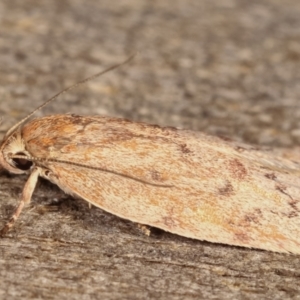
[(22, 163)]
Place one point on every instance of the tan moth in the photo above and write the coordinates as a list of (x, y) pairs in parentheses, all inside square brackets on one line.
[(184, 182)]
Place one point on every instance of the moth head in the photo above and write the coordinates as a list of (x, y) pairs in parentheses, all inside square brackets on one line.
[(13, 155)]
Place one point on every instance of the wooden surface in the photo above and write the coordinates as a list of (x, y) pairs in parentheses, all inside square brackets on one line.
[(229, 68)]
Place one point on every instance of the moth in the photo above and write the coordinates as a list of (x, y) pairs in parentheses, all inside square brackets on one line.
[(185, 182)]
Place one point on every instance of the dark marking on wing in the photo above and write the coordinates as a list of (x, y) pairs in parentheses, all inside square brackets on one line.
[(226, 190), (237, 169), (271, 176)]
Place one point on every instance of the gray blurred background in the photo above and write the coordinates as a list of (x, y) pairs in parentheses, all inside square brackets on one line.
[(228, 68)]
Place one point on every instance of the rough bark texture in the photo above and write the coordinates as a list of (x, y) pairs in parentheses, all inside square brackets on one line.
[(228, 68)]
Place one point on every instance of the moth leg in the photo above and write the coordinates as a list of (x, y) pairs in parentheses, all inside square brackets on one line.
[(25, 199), (144, 229)]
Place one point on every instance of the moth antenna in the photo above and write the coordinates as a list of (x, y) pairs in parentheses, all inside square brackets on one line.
[(68, 89), (38, 159)]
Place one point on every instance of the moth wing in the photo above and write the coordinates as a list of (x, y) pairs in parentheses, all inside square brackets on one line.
[(187, 183)]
